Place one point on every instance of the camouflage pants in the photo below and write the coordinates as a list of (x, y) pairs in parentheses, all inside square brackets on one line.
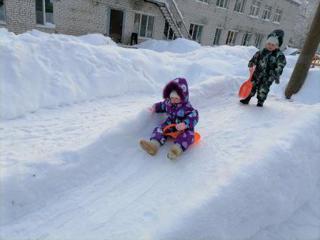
[(262, 89)]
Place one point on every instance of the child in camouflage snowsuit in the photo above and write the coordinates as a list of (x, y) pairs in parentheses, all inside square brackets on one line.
[(179, 110), (268, 64)]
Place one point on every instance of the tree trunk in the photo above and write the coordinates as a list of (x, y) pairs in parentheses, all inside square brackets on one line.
[(310, 46)]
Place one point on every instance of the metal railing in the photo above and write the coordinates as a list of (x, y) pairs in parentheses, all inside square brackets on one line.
[(175, 15), (178, 17)]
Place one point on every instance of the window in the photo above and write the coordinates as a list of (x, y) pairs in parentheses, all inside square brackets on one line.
[(258, 40), (217, 36), (222, 3), (44, 12), (231, 38), (266, 15), (204, 1), (143, 24), (239, 6), (246, 39), (168, 32), (277, 16), (255, 8), (195, 32), (2, 11)]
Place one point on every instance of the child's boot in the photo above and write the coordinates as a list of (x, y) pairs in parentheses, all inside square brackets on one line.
[(260, 104), (246, 100), (150, 147), (174, 152)]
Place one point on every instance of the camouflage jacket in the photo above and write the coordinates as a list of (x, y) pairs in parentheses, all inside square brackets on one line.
[(269, 65)]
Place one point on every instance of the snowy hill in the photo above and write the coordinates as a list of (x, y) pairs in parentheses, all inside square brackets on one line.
[(74, 108)]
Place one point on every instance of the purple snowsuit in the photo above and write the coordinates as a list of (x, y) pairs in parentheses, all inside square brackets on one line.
[(177, 113)]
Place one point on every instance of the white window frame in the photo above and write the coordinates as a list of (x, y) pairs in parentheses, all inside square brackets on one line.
[(215, 40), (266, 14), (222, 3), (147, 24), (258, 40), (277, 15), (4, 14), (192, 34), (245, 41), (232, 40), (170, 29), (241, 6), (44, 15), (203, 1), (255, 8)]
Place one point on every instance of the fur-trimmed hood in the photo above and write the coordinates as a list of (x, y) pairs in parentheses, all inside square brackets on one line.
[(180, 85)]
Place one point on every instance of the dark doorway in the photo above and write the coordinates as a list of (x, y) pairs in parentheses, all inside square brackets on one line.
[(116, 22)]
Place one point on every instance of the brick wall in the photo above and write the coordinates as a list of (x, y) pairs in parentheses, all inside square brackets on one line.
[(212, 17), (20, 15), (79, 17)]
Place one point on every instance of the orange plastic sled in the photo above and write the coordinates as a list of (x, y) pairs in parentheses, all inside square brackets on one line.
[(171, 131), (246, 87)]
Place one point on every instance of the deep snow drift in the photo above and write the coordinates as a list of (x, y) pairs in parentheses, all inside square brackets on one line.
[(41, 71), (76, 172), (179, 45)]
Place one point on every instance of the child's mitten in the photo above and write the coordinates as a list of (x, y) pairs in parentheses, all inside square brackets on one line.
[(181, 126), (152, 109)]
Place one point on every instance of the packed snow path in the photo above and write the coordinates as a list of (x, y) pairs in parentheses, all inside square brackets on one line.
[(49, 131), (73, 168), (220, 186)]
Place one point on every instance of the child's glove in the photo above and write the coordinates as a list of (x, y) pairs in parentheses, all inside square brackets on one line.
[(152, 109), (252, 69), (181, 126)]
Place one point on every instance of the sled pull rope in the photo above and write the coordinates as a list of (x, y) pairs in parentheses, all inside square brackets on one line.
[(171, 131)]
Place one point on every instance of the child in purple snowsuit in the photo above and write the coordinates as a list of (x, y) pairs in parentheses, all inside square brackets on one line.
[(180, 112)]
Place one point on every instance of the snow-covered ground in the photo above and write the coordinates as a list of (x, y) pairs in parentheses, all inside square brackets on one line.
[(74, 108)]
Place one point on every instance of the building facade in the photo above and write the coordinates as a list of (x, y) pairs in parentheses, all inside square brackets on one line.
[(240, 22), (210, 22), (304, 20)]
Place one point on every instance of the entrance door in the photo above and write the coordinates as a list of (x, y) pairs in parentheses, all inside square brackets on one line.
[(116, 22)]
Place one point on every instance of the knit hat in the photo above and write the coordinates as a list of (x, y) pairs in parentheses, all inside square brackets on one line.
[(273, 40), (174, 94), (279, 34)]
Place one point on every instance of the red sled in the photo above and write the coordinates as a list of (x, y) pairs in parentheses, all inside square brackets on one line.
[(175, 133), (246, 87)]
